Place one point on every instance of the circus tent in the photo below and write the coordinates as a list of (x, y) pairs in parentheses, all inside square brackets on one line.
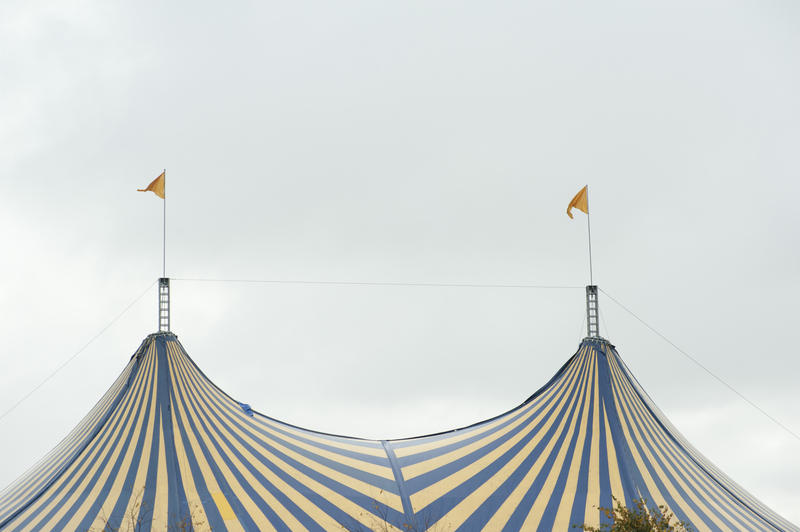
[(166, 448)]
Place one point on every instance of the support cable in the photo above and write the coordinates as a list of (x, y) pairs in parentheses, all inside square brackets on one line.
[(602, 319), (700, 365), (78, 352), (357, 283)]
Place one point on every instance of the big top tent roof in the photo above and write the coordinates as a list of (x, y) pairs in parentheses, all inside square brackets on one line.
[(165, 447)]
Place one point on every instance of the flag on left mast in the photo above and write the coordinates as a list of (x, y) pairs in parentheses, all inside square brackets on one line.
[(580, 201), (156, 187)]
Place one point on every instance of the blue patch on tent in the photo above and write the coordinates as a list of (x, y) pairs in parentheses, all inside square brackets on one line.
[(246, 409)]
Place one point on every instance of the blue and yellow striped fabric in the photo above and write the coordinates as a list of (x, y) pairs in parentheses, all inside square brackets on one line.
[(165, 448)]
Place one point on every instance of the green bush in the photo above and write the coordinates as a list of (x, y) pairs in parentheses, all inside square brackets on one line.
[(639, 518)]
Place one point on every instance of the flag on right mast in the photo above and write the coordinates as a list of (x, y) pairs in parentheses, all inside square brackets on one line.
[(580, 202), (157, 186)]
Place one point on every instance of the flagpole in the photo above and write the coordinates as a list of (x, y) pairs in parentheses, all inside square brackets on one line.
[(164, 235), (589, 229)]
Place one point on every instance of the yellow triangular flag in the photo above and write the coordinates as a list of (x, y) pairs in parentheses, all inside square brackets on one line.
[(156, 187), (580, 202)]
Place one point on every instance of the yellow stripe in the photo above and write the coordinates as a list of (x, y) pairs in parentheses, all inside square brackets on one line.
[(205, 470), (241, 495), (100, 519), (192, 495), (383, 471), (160, 517), (225, 510), (426, 496), (365, 488), (472, 502), (34, 478), (651, 486), (284, 488), (702, 482), (719, 501), (196, 511), (661, 446), (368, 489), (568, 495), (367, 467), (591, 514), (61, 486), (89, 489), (425, 466), (543, 497), (138, 489), (617, 491), (307, 507), (343, 503), (619, 395), (504, 513), (90, 466), (375, 449), (402, 452)]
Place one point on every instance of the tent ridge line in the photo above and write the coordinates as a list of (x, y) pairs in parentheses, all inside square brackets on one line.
[(408, 510)]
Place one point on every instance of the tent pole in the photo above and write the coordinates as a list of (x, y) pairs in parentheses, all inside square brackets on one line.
[(589, 229), (164, 234)]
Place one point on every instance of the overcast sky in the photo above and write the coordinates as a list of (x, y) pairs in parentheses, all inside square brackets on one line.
[(406, 142)]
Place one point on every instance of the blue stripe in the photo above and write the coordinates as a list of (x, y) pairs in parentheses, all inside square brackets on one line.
[(628, 472), (299, 514), (663, 438), (666, 431), (405, 442), (427, 479), (104, 491), (365, 502), (215, 520), (558, 494), (379, 482), (213, 417), (64, 452), (606, 500), (522, 411), (115, 518), (447, 502), (81, 449), (237, 418), (206, 500), (81, 466), (639, 444), (333, 437), (117, 515), (640, 441), (178, 510), (520, 513), (242, 515), (578, 514)]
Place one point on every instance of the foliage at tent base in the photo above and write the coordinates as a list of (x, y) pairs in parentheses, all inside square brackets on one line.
[(639, 518)]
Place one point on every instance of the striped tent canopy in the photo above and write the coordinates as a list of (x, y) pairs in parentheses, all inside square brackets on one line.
[(166, 449)]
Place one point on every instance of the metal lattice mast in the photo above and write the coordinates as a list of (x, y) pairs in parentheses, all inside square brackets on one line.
[(592, 312), (163, 304)]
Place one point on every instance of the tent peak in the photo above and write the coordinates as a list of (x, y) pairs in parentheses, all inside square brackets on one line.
[(597, 341), (161, 334)]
